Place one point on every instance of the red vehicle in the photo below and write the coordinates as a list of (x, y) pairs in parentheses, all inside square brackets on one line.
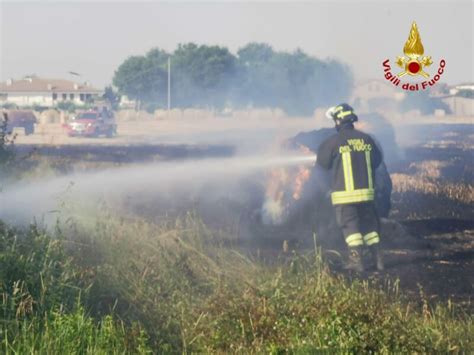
[(92, 124), (21, 118)]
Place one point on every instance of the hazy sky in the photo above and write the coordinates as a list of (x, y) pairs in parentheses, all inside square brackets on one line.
[(93, 38)]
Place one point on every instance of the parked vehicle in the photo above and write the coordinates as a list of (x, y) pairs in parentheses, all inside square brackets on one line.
[(25, 119), (93, 123)]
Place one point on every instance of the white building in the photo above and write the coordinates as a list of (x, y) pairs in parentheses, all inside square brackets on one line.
[(460, 106), (45, 92), (371, 95), (461, 87)]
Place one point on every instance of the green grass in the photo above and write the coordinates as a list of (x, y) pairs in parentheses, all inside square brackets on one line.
[(110, 284), (72, 333)]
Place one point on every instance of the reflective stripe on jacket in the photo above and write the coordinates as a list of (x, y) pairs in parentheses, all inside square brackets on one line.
[(353, 156)]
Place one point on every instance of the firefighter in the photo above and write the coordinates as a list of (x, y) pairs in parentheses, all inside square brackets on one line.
[(353, 156)]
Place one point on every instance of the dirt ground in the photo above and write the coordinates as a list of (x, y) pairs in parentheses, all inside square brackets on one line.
[(432, 198)]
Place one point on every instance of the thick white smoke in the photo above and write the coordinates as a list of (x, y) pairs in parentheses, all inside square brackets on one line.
[(22, 202)]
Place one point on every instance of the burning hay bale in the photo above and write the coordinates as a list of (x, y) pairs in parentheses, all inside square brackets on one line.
[(284, 187), (297, 197)]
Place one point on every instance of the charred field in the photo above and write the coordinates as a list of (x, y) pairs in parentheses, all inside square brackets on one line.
[(194, 270), (433, 200)]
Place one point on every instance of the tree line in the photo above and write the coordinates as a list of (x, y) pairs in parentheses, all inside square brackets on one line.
[(256, 76)]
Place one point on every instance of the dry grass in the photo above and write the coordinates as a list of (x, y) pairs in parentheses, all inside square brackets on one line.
[(426, 177), (458, 192), (429, 169)]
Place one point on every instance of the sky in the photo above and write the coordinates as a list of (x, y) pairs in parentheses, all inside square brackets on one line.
[(92, 38)]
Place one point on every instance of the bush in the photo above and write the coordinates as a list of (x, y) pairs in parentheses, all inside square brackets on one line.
[(112, 97), (39, 108), (67, 106), (6, 143)]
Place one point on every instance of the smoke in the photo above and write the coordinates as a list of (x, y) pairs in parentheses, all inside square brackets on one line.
[(159, 187), (42, 199)]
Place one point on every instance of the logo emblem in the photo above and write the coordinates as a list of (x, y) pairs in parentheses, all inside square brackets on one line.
[(413, 62)]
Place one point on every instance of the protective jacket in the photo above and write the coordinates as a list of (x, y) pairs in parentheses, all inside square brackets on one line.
[(353, 156)]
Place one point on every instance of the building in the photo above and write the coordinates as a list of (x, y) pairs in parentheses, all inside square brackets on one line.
[(372, 95), (461, 101), (33, 90), (466, 87), (460, 106)]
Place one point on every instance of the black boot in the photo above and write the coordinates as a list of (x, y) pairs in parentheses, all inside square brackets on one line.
[(377, 257), (355, 260)]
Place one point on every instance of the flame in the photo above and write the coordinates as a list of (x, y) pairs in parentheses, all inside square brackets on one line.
[(413, 46), (274, 205), (301, 178), (284, 187)]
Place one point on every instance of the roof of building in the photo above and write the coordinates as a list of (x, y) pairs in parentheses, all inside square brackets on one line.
[(463, 85), (41, 85)]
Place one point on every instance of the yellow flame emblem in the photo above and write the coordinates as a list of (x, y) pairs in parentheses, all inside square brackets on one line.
[(413, 46), (412, 62)]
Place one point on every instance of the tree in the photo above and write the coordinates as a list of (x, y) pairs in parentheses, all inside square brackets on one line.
[(212, 77), (157, 76), (255, 54), (295, 82), (257, 76), (143, 78), (130, 78), (202, 75)]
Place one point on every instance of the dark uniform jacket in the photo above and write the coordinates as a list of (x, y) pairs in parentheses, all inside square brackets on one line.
[(353, 157)]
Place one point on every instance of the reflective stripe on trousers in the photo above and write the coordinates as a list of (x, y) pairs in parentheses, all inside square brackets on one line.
[(371, 238), (354, 240)]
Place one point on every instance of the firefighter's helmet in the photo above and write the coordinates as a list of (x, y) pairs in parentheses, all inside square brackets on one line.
[(342, 113)]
